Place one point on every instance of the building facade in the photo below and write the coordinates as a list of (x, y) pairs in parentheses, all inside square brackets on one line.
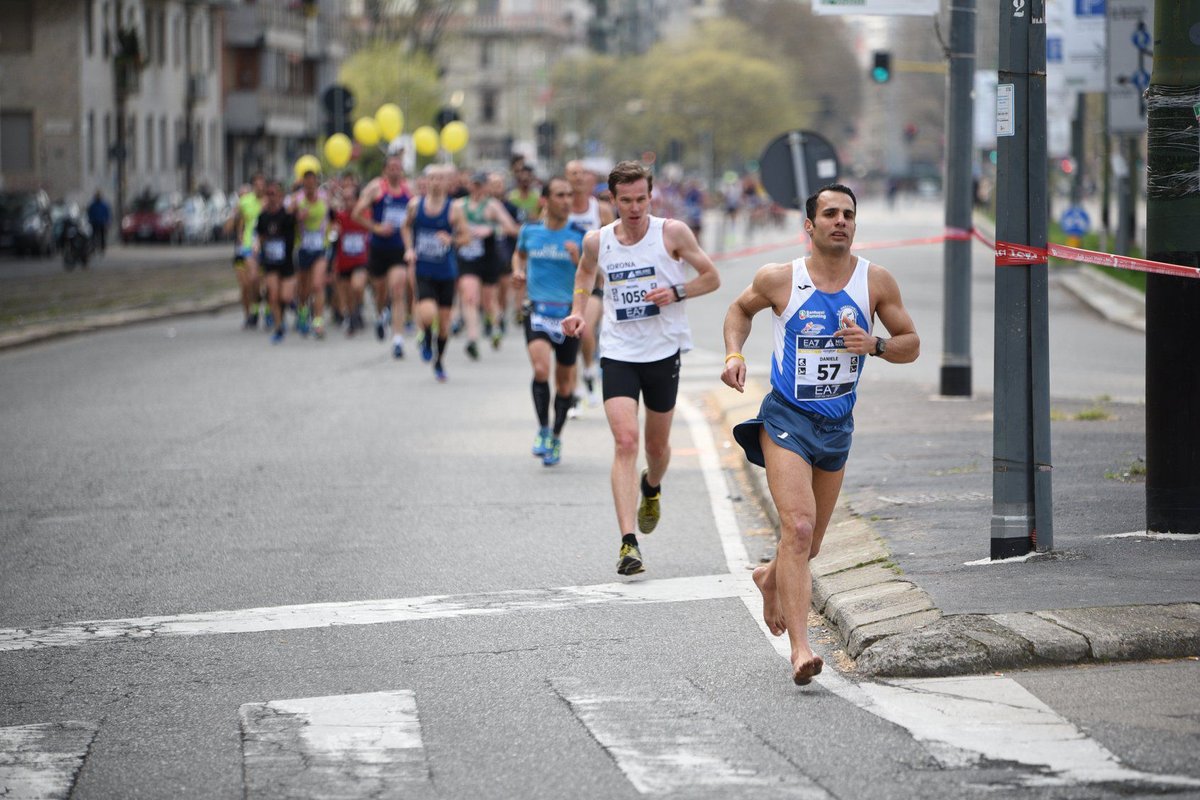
[(496, 60), (115, 95), (278, 59)]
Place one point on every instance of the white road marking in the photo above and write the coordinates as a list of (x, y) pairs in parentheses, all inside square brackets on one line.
[(678, 744), (965, 718), (1172, 537), (371, 612), (40, 762), (356, 745), (960, 720)]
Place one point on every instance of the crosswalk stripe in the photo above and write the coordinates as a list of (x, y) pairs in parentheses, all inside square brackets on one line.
[(40, 762), (679, 745), (358, 745), (371, 612)]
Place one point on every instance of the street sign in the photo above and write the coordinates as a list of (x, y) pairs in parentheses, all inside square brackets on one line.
[(1075, 221), (1129, 60), (795, 164), (1084, 46)]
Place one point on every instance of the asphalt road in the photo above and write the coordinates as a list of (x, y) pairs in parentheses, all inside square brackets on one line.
[(186, 467)]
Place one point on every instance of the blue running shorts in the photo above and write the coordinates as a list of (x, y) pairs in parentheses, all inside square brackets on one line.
[(823, 442)]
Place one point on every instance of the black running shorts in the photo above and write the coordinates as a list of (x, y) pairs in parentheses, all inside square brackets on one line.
[(656, 381)]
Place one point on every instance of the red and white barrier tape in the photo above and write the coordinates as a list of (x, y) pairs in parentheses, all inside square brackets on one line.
[(1007, 253)]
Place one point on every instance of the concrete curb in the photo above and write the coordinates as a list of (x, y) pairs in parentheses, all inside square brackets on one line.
[(40, 332), (1107, 296), (892, 627)]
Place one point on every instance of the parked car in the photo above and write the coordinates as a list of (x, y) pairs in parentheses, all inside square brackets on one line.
[(222, 209), (153, 219), (197, 216), (25, 223)]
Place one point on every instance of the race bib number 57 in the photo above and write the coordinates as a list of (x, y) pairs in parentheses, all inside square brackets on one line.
[(824, 368), (628, 288)]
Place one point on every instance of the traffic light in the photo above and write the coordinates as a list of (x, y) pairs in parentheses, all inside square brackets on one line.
[(881, 72), (545, 138)]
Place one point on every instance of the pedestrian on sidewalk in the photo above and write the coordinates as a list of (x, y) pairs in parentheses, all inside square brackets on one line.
[(823, 308), (99, 214), (643, 260)]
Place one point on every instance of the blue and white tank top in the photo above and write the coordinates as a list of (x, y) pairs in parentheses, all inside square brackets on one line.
[(435, 257), (810, 366)]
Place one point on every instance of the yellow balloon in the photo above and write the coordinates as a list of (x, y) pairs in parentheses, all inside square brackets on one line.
[(390, 120), (425, 139), (455, 136), (366, 132), (338, 149), (307, 163)]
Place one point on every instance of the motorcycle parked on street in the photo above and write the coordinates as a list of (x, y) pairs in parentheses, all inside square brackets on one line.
[(75, 240)]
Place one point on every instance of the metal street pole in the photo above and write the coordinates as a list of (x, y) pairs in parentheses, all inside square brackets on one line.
[(956, 252), (1021, 498), (1172, 209)]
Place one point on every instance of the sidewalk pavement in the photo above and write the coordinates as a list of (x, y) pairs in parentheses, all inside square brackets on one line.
[(904, 579)]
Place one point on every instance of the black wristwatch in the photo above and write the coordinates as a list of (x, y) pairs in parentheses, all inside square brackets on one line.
[(880, 346), (680, 291)]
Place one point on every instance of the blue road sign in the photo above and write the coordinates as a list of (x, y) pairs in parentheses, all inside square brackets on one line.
[(1054, 49), (1090, 8), (1141, 38), (1075, 221), (1140, 79)]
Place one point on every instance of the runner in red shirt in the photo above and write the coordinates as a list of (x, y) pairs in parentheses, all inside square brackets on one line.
[(351, 252)]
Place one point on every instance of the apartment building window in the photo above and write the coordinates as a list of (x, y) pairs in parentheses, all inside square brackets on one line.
[(131, 140), (485, 53), (149, 144), (214, 139), (16, 141), (88, 26), (246, 69), (488, 100), (176, 39), (163, 150), (198, 147), (91, 141), (16, 20), (160, 36), (108, 135), (104, 44)]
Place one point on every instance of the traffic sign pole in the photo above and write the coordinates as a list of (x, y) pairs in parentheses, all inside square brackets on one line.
[(956, 252), (1021, 497), (1172, 236)]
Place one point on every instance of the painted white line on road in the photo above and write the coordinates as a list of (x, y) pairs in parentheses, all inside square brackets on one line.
[(960, 720), (1171, 537), (998, 718), (724, 517), (357, 745), (40, 762), (372, 612), (682, 746)]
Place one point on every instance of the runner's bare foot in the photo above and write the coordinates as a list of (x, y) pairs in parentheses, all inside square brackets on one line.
[(806, 670), (772, 612)]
